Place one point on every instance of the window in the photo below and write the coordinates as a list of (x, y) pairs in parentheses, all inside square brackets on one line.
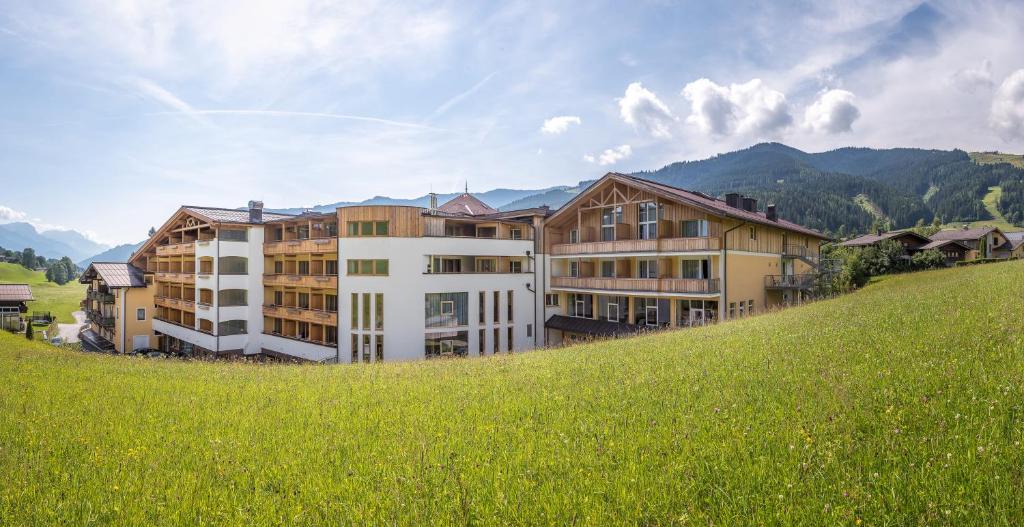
[(485, 265), (581, 306), (330, 334), (303, 330), (278, 298), (574, 269), (647, 268), (278, 323), (509, 340), (355, 348), (574, 236), (302, 232), (750, 307), (304, 268), (515, 266), (515, 233), (234, 235), (331, 267), (648, 221), (732, 309), (446, 309), (278, 267), (379, 349), (529, 331), (497, 310), (551, 300), (366, 311), (367, 228), (331, 303), (232, 327), (696, 269), (140, 313), (367, 267), (353, 228), (234, 265), (613, 308), (480, 345), (743, 308), (233, 297), (303, 300), (609, 218), (753, 233), (483, 302), (608, 269), (366, 348), (511, 310), (380, 228), (497, 340), (694, 228), (446, 344), (378, 308)]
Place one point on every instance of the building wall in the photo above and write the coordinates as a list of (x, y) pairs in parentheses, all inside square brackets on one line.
[(745, 274), (136, 298)]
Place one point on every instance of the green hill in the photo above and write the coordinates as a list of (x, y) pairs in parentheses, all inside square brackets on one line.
[(60, 300), (896, 405)]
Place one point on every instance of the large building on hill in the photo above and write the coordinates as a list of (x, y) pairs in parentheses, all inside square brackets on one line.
[(118, 306), (385, 282)]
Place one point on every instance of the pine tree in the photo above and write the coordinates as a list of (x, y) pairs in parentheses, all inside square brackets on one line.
[(28, 330)]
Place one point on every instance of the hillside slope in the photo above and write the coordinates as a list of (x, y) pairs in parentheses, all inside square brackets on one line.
[(51, 244), (59, 300), (896, 405), (121, 253)]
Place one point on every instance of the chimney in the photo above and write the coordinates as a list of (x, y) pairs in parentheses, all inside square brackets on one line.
[(750, 204), (769, 212), (255, 211), (732, 199), (433, 201)]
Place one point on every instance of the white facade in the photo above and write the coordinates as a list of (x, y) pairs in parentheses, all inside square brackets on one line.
[(407, 284)]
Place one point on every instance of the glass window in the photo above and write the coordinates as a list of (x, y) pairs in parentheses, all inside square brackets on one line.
[(233, 297), (648, 268), (648, 221), (483, 301), (511, 308), (695, 228), (366, 311), (302, 232), (497, 310), (330, 334), (693, 269), (509, 340), (581, 305), (355, 348), (278, 298), (380, 228), (529, 331), (232, 327), (278, 267), (380, 267), (515, 266), (485, 265), (516, 233), (353, 228), (551, 299), (496, 345), (366, 348), (354, 309), (609, 218), (366, 228), (753, 233), (140, 313), (574, 269), (365, 266), (480, 345), (574, 236), (380, 349), (331, 267), (234, 265), (446, 344), (378, 308), (304, 300), (304, 268), (331, 303), (234, 235), (608, 269), (446, 309)]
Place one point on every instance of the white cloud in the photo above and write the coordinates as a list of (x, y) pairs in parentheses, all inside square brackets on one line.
[(971, 79), (834, 112), (610, 156), (642, 109), (750, 108), (1007, 114), (9, 214), (559, 125)]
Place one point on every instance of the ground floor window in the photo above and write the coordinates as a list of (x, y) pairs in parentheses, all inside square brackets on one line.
[(651, 311), (509, 341), (696, 312), (581, 305), (446, 344)]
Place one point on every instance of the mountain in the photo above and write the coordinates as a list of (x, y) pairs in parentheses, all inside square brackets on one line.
[(121, 253), (496, 198), (51, 243)]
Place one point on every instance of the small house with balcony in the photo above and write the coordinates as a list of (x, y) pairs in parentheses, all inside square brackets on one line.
[(14, 300), (118, 307)]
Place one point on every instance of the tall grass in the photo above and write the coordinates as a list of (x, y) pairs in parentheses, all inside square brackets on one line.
[(900, 404)]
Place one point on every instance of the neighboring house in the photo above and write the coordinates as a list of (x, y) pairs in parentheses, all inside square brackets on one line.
[(952, 250), (1014, 246), (118, 306), (983, 242), (14, 300), (911, 241), (628, 254)]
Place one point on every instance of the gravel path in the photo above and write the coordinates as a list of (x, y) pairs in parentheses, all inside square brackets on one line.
[(69, 332)]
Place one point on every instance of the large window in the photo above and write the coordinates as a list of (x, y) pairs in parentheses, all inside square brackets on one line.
[(378, 310), (574, 269), (446, 344), (446, 309), (647, 269), (613, 308), (486, 265), (648, 221), (232, 327), (609, 218), (367, 228), (331, 267), (368, 267), (234, 235), (304, 268), (233, 297), (651, 311), (694, 228), (511, 306), (696, 269), (234, 265), (696, 312), (581, 305), (551, 299)]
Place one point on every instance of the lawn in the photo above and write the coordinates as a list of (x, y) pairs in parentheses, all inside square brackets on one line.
[(901, 404), (60, 300)]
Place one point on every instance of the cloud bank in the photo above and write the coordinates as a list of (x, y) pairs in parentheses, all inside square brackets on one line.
[(751, 108), (642, 109), (610, 156), (1007, 114), (559, 125), (834, 112)]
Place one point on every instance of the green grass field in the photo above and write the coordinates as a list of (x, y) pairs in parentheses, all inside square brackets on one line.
[(901, 404), (983, 158), (61, 300)]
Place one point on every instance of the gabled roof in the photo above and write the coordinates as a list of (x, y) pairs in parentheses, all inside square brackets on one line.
[(15, 293), (468, 205), (222, 215), (114, 274), (963, 234), (935, 244), (695, 199), (871, 239)]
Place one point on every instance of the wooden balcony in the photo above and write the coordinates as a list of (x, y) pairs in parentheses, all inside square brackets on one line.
[(636, 246), (310, 246), (313, 316), (302, 280), (794, 281), (175, 249), (643, 285), (178, 278), (175, 303)]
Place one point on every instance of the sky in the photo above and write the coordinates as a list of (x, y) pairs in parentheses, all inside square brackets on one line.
[(115, 112)]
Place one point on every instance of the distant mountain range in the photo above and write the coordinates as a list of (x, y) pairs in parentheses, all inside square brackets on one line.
[(121, 253), (50, 243)]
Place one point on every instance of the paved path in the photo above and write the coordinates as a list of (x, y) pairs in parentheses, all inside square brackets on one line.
[(69, 332)]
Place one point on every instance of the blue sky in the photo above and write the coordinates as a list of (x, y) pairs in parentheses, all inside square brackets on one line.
[(118, 111)]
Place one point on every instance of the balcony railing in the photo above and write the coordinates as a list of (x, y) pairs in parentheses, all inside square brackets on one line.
[(175, 323), (799, 251), (646, 285), (789, 281), (176, 249), (181, 278), (320, 281), (308, 246), (105, 298), (315, 316), (637, 246), (97, 317), (175, 303), (302, 339)]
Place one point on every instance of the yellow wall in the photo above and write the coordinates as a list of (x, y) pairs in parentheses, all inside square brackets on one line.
[(745, 279), (136, 297)]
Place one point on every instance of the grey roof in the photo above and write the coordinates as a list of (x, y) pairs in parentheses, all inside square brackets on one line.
[(15, 293), (935, 244), (588, 326), (115, 274), (871, 239), (963, 234), (221, 215)]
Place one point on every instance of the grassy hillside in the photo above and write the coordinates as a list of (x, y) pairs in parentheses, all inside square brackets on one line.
[(61, 300), (896, 405), (990, 202), (985, 158)]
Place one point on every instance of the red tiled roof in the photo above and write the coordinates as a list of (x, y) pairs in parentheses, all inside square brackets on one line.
[(15, 293), (468, 205)]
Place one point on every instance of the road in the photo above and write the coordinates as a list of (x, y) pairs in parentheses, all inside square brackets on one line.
[(69, 332)]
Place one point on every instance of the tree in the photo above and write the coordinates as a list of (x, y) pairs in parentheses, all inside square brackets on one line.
[(59, 273), (28, 330), (152, 231), (70, 268), (28, 258), (930, 259)]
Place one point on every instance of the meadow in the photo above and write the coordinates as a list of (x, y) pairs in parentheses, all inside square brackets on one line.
[(899, 404), (60, 300)]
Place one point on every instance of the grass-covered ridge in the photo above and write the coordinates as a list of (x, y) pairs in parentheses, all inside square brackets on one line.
[(60, 300), (899, 404)]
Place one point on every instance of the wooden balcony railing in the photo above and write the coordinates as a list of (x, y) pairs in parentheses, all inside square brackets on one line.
[(314, 316), (646, 285), (637, 246), (107, 298), (302, 280), (180, 278), (789, 281), (310, 246), (176, 249), (175, 303)]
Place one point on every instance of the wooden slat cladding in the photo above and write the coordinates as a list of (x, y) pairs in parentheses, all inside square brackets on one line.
[(648, 285), (318, 245), (403, 222), (637, 246)]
